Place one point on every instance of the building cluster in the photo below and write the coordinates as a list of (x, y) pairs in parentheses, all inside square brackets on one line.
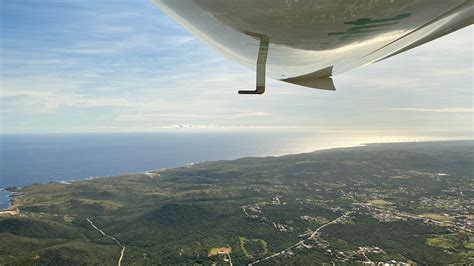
[(252, 211), (381, 214), (449, 203), (464, 223), (387, 215), (276, 200), (451, 210), (316, 219), (282, 227), (375, 250)]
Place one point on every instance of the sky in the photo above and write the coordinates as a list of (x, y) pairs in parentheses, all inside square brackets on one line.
[(124, 66)]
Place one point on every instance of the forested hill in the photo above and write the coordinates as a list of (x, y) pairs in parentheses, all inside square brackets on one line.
[(408, 202)]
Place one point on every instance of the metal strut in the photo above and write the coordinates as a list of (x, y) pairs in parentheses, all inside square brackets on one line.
[(261, 63)]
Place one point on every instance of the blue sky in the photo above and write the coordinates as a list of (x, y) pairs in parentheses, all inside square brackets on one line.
[(124, 66)]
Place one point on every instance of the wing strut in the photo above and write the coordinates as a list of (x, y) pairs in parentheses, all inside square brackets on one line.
[(261, 63)]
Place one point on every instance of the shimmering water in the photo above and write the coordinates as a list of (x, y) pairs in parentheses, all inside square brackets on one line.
[(28, 159)]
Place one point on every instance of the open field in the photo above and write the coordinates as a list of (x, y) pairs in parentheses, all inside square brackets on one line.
[(378, 202), (436, 216)]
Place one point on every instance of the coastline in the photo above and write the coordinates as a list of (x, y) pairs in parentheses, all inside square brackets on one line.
[(13, 200), (289, 198), (15, 193)]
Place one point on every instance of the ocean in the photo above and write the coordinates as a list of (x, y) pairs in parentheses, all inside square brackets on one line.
[(26, 159)]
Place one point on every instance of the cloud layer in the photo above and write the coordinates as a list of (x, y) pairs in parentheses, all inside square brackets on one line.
[(102, 66)]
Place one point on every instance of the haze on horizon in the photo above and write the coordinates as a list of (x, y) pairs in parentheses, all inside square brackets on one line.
[(126, 67)]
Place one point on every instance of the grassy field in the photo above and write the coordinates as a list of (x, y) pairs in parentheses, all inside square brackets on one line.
[(436, 216), (379, 202), (223, 250)]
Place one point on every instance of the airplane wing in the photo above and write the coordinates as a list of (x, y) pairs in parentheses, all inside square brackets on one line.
[(306, 42)]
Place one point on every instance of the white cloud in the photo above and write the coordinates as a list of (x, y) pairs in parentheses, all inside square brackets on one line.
[(153, 117), (135, 41), (136, 70), (227, 127), (436, 110)]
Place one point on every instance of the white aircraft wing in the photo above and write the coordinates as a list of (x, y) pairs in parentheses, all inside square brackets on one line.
[(305, 42)]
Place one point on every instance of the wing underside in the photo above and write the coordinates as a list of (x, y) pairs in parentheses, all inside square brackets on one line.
[(312, 40)]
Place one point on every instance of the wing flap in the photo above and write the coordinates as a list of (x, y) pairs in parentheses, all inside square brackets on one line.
[(320, 79)]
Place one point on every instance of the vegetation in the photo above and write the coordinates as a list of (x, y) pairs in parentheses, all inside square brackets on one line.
[(253, 247), (258, 207)]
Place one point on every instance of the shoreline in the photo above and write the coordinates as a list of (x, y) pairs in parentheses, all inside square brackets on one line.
[(295, 205), (13, 202), (13, 196)]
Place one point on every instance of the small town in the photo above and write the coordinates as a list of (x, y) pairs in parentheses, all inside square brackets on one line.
[(454, 213)]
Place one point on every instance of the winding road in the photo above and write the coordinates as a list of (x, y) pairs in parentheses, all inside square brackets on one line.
[(302, 241), (122, 253)]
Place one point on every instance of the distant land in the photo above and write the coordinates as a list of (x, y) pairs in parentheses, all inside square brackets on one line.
[(399, 202), (26, 159)]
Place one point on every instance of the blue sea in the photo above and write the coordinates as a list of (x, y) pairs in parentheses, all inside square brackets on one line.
[(26, 159)]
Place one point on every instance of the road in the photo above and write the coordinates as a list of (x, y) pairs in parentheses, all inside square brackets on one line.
[(122, 253), (302, 241), (365, 256)]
